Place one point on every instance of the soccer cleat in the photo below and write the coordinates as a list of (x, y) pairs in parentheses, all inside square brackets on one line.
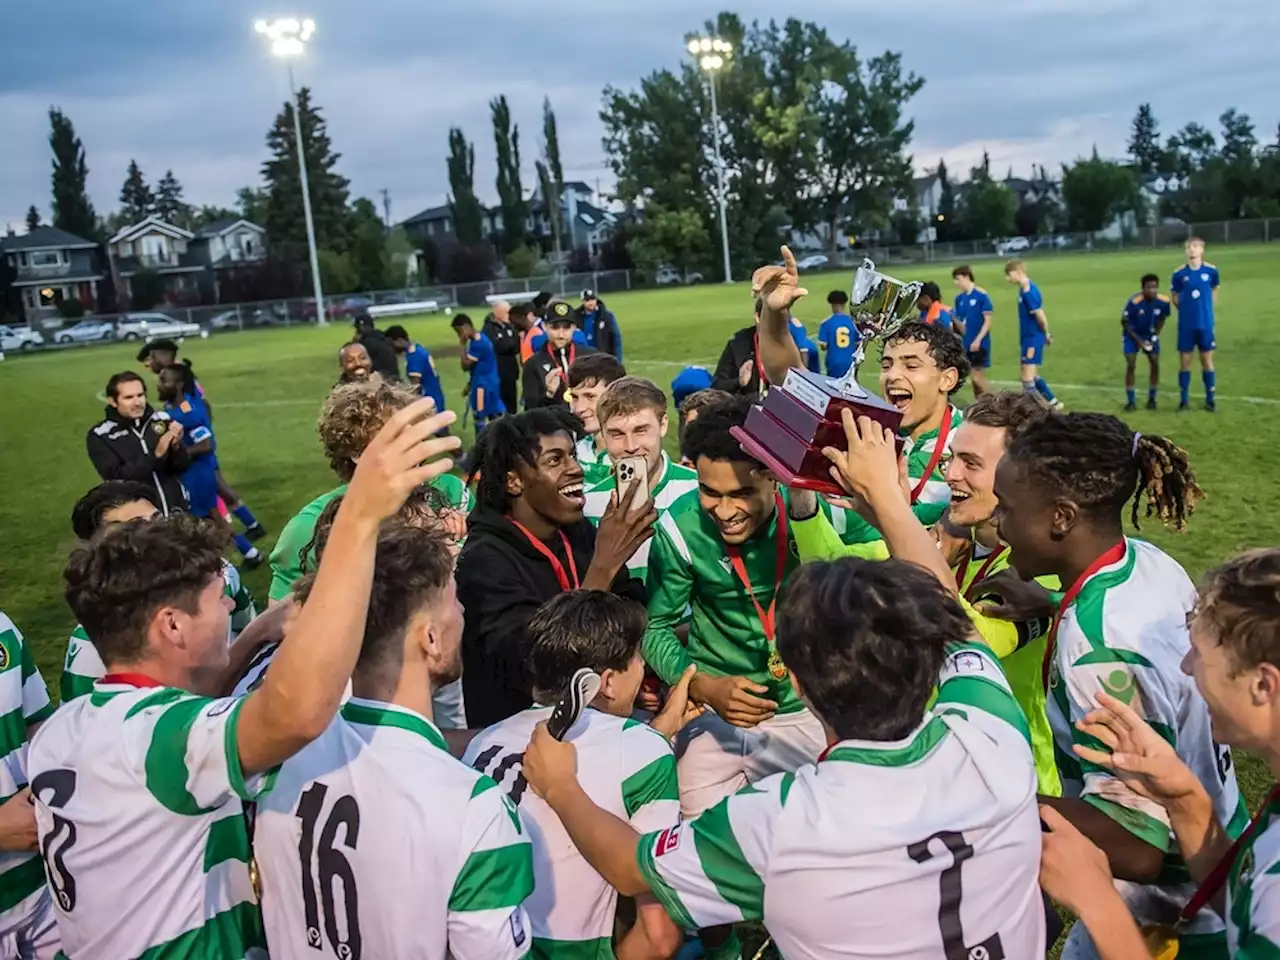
[(1058, 405), (255, 532), (1130, 407), (1151, 404), (252, 560), (1183, 407), (1211, 406)]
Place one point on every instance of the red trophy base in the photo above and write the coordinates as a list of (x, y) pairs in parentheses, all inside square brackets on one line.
[(789, 430)]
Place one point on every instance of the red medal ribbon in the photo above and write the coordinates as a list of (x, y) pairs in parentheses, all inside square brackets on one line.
[(132, 679), (755, 355), (573, 352), (939, 449), (1113, 555), (978, 577), (556, 565), (767, 621), (1218, 875)]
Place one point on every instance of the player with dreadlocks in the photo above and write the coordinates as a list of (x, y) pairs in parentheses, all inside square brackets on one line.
[(527, 541), (1063, 488)]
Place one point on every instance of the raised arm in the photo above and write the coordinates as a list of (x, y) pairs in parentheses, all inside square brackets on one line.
[(304, 686), (778, 289)]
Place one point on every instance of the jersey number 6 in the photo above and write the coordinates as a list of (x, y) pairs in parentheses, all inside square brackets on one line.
[(55, 787), (331, 866)]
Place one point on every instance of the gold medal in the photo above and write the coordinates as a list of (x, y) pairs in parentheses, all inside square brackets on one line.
[(255, 878), (777, 669), (1161, 940)]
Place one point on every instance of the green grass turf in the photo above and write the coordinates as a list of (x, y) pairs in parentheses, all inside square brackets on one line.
[(266, 387)]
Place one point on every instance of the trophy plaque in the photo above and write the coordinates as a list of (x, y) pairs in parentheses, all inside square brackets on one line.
[(789, 428)]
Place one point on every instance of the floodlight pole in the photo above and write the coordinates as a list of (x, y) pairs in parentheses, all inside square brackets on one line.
[(321, 319), (715, 139)]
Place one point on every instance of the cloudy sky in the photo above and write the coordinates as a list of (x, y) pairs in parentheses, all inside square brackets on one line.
[(188, 86)]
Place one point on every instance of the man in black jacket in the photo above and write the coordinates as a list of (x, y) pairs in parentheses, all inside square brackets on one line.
[(506, 348), (527, 541), (738, 371), (135, 442), (381, 352), (546, 372), (599, 325)]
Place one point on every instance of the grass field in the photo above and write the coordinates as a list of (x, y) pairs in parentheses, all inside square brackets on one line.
[(266, 387)]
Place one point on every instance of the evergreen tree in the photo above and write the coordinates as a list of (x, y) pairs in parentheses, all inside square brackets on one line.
[(169, 203), (369, 258), (946, 217), (33, 218), (468, 217), (284, 219), (1144, 142), (72, 210), (136, 198), (251, 202), (506, 140), (551, 174)]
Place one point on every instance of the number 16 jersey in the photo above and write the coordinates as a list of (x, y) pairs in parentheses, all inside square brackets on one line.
[(375, 843)]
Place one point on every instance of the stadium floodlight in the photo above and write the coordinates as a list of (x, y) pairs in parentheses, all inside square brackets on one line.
[(712, 55), (289, 37)]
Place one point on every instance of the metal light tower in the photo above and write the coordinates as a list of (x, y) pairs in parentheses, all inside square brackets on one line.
[(713, 55), (289, 37)]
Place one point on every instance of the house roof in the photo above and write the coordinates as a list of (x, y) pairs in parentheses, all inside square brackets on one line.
[(431, 213), (226, 224), (151, 223), (44, 238)]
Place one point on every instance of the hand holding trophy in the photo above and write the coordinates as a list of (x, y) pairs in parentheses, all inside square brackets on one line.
[(788, 430)]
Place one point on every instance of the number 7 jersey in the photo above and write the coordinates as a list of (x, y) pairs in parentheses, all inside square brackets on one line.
[(375, 843)]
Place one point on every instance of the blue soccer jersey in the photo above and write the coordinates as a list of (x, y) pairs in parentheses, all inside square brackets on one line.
[(200, 478), (969, 310), (1029, 332), (485, 397), (838, 334), (808, 349), (1144, 317), (418, 362), (1194, 292)]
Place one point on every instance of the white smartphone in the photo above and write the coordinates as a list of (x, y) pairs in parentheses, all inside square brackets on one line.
[(629, 470)]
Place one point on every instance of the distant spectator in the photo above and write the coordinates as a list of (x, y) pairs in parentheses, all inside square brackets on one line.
[(688, 382), (136, 442), (506, 348), (419, 367), (599, 325), (478, 359), (546, 375), (381, 352), (932, 309)]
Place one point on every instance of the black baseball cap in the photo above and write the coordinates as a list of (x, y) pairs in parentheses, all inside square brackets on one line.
[(588, 294), (162, 345), (558, 313)]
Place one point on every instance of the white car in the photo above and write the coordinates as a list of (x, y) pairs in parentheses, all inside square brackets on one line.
[(1012, 245), (814, 261), (86, 331), (19, 338), (148, 326), (668, 275)]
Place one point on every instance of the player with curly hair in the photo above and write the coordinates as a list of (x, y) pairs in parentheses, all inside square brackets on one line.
[(1063, 487)]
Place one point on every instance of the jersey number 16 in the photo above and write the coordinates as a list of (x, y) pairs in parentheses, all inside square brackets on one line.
[(331, 867)]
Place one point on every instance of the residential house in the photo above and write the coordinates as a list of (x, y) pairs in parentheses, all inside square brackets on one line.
[(436, 225), (49, 266), (188, 262)]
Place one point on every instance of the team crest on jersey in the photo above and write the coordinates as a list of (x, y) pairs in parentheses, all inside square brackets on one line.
[(1055, 674), (4, 656), (158, 427), (518, 934), (1121, 684), (1195, 294), (1245, 877), (668, 840), (967, 661)]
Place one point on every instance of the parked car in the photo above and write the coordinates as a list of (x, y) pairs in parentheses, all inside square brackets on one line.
[(346, 307), (148, 326), (814, 261), (668, 275), (1013, 245), (86, 331), (19, 338), (256, 317), (1051, 243)]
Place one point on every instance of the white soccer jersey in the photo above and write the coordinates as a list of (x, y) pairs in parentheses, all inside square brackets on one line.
[(1126, 634), (83, 665), (139, 809), (23, 701), (594, 461), (627, 768), (375, 843), (921, 849), (1253, 891), (674, 482)]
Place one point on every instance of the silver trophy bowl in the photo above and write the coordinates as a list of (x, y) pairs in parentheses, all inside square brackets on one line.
[(879, 305)]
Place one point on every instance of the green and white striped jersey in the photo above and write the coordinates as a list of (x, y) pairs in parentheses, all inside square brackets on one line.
[(917, 849), (1253, 892), (140, 810), (375, 842), (595, 463), (82, 665), (625, 767), (935, 495), (674, 481), (23, 701), (1126, 634)]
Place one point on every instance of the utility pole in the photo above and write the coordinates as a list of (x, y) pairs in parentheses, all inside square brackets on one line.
[(386, 208)]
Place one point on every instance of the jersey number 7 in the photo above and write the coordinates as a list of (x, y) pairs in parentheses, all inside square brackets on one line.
[(949, 895), (331, 866)]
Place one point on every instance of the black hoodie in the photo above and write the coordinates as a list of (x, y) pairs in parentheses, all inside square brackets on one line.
[(502, 580), (740, 348), (124, 449)]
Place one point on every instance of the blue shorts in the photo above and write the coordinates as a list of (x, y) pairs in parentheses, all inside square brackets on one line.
[(979, 359), (493, 406), (202, 490), (1130, 348), (1197, 338), (1032, 352)]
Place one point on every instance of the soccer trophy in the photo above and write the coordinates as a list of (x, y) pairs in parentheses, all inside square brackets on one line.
[(789, 428)]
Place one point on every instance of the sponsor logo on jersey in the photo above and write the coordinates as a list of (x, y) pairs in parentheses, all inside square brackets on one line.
[(668, 840), (518, 935), (1121, 684)]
